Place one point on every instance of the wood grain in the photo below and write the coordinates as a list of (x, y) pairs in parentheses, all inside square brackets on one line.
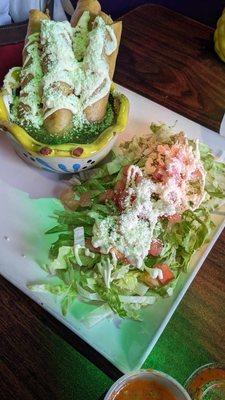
[(170, 59), (37, 353)]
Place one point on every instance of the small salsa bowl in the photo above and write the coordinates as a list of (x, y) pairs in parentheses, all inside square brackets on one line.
[(69, 157), (163, 379)]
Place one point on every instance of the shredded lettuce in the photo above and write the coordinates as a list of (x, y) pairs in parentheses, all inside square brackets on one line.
[(118, 286), (47, 287), (215, 178), (97, 315)]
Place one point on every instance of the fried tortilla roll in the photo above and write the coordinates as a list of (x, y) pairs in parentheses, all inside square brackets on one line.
[(99, 65), (108, 20), (29, 107), (92, 6), (98, 49), (96, 43), (34, 26), (97, 110), (58, 63), (82, 20)]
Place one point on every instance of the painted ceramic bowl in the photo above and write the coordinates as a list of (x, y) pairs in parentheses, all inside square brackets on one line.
[(64, 158), (178, 392)]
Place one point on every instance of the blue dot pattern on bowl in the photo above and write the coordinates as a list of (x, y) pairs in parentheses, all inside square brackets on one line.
[(63, 167), (76, 167), (45, 164)]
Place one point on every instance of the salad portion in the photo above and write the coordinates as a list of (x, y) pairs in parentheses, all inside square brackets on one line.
[(131, 228)]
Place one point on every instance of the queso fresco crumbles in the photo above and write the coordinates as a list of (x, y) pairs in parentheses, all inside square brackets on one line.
[(61, 94), (130, 230)]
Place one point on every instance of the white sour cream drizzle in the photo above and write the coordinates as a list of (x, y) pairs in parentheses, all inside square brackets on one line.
[(76, 57), (10, 83), (132, 231), (60, 62), (31, 75), (97, 82), (80, 36), (63, 46)]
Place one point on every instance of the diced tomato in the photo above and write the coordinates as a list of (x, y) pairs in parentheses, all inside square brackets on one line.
[(163, 148), (107, 196), (119, 199), (167, 273), (125, 170), (120, 193), (85, 199), (137, 177), (175, 218), (133, 197), (155, 248), (90, 246), (159, 174), (68, 199), (120, 185), (197, 174)]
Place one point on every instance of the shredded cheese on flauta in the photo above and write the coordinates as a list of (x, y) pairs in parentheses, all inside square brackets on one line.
[(63, 47), (65, 68)]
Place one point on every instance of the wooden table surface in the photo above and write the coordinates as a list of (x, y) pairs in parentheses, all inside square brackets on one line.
[(169, 59)]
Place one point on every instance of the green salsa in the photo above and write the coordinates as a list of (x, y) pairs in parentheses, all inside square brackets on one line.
[(44, 85), (82, 132)]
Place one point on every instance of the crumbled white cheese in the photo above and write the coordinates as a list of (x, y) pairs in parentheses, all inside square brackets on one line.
[(170, 291), (156, 273), (131, 232)]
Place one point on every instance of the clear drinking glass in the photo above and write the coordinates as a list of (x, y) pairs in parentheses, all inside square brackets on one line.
[(151, 375), (216, 391), (207, 383)]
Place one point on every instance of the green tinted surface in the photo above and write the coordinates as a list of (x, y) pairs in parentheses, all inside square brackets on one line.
[(178, 352), (174, 354), (79, 379), (76, 378)]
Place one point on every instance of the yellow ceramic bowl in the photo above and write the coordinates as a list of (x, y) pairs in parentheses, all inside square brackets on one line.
[(69, 157)]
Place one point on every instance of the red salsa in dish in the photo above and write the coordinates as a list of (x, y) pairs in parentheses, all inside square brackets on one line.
[(204, 378), (143, 389)]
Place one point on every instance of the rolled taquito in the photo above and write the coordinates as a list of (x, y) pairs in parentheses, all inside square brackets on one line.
[(58, 62), (96, 111), (29, 107), (92, 6)]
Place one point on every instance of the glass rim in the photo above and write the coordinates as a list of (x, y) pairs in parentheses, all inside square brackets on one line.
[(142, 372), (212, 365), (214, 384)]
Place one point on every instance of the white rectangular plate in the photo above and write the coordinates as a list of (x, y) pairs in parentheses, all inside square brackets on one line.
[(27, 203)]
